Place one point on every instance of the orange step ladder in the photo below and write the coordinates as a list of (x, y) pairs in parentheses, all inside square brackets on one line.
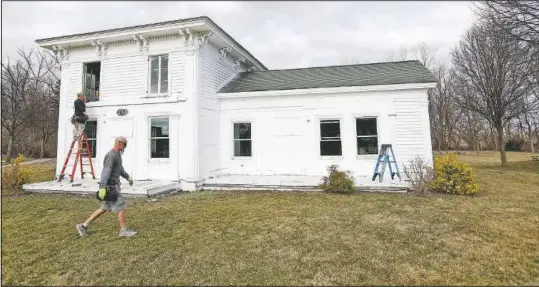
[(82, 144)]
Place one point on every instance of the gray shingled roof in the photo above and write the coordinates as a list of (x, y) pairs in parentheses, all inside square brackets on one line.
[(329, 77)]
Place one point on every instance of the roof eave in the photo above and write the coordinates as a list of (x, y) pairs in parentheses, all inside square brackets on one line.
[(332, 90), (107, 34), (47, 43)]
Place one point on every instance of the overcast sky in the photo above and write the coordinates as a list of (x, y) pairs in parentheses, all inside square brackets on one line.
[(279, 34)]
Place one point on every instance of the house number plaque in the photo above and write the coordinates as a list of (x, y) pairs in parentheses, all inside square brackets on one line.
[(121, 112)]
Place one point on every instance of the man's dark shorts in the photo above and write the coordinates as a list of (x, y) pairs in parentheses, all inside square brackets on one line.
[(115, 206)]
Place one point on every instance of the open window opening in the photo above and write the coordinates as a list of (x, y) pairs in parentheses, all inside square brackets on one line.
[(91, 81)]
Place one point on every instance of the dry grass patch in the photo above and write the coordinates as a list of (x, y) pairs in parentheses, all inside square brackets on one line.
[(282, 238)]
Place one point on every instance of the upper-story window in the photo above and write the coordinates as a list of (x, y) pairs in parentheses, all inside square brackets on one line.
[(91, 79), (158, 75)]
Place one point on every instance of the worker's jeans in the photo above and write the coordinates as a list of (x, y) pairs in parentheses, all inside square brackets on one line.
[(78, 129)]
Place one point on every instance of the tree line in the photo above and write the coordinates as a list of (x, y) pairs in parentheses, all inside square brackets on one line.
[(30, 101), (487, 98)]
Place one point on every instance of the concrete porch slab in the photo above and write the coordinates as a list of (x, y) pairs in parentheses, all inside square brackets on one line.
[(89, 186), (289, 182)]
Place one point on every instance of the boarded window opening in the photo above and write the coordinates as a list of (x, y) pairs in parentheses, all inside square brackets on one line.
[(91, 81)]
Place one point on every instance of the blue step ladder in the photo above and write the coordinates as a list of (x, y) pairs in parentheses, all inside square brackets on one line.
[(384, 159)]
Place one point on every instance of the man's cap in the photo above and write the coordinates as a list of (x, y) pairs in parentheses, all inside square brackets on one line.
[(121, 139)]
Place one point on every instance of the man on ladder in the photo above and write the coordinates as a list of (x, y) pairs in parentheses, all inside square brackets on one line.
[(80, 117), (79, 137)]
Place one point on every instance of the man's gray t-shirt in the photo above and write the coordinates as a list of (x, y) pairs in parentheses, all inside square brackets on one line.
[(112, 169)]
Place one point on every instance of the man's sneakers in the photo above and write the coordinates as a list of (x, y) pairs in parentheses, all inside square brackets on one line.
[(81, 229), (123, 233), (127, 233)]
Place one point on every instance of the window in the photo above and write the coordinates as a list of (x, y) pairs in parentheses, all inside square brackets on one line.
[(91, 132), (159, 137), (242, 139), (330, 137), (367, 136), (91, 81), (158, 75)]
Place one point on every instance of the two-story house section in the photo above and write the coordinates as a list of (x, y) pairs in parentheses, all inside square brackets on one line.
[(154, 84), (199, 109)]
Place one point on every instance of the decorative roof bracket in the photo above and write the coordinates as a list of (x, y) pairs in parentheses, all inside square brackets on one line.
[(238, 63), (97, 48), (204, 39), (138, 40), (61, 52), (145, 42), (223, 51), (102, 46)]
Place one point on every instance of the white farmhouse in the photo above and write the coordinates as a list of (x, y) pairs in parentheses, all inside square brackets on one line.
[(199, 111)]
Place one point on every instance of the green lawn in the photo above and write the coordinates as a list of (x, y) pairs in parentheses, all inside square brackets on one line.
[(287, 238)]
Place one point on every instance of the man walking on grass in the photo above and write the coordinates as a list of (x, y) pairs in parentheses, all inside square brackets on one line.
[(110, 177)]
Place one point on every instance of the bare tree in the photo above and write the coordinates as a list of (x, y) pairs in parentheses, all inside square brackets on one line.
[(42, 110), (15, 84), (518, 19), (30, 93), (442, 109), (402, 55), (530, 120), (426, 55), (490, 65)]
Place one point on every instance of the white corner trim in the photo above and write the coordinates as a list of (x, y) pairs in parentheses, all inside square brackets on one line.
[(337, 90)]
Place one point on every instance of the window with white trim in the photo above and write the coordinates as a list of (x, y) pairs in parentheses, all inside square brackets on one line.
[(159, 137), (158, 75), (367, 136), (90, 129), (330, 138), (242, 140)]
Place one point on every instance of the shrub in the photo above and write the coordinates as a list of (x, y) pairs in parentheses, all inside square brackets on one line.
[(453, 176), (13, 177), (337, 181), (420, 174)]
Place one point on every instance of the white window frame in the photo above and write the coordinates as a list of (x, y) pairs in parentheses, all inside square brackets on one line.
[(377, 136), (150, 138), (234, 140), (320, 122), (95, 139), (158, 94)]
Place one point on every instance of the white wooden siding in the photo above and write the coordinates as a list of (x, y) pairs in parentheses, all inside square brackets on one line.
[(213, 73), (123, 77), (75, 82)]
